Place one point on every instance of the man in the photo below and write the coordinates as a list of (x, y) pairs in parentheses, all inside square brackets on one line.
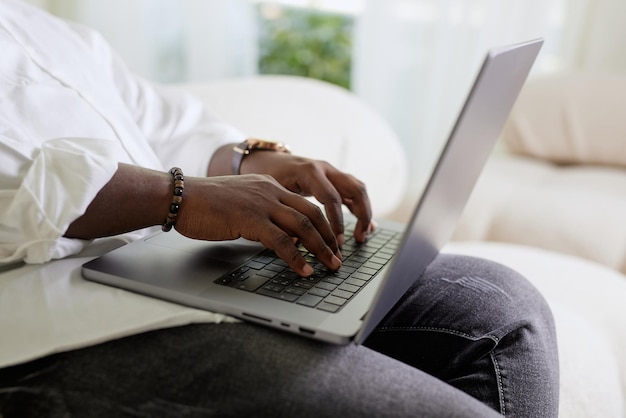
[(86, 146)]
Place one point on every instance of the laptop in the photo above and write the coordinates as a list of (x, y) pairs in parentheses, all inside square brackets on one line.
[(242, 279)]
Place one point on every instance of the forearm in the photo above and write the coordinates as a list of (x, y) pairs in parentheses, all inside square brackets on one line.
[(134, 198), (221, 161), (260, 162)]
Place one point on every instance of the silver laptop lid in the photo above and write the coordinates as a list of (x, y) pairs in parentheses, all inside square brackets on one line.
[(477, 128)]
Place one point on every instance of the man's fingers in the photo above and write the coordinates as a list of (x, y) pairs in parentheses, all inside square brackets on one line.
[(279, 216), (354, 196), (281, 243), (327, 194), (305, 221)]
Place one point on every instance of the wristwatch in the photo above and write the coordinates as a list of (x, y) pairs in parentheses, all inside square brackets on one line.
[(251, 145)]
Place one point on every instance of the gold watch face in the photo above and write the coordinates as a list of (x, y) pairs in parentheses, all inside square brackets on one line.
[(262, 144)]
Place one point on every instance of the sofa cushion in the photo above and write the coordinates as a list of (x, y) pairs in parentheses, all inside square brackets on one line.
[(577, 210), (569, 119)]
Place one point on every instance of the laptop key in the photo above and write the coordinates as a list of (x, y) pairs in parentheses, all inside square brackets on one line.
[(361, 276), (352, 263), (255, 265), (378, 260), (295, 291), (338, 274), (263, 259), (225, 280), (274, 267), (372, 265), (309, 300), (280, 263), (346, 269), (349, 288), (328, 307), (242, 276), (335, 300), (252, 283), (366, 270), (282, 282), (319, 292), (288, 297), (303, 284), (274, 288), (342, 294), (358, 259), (267, 273), (326, 286), (333, 280), (355, 282)]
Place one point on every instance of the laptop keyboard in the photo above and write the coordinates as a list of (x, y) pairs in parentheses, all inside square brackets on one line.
[(268, 275)]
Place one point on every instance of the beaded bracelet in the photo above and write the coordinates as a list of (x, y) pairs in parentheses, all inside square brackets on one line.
[(177, 198)]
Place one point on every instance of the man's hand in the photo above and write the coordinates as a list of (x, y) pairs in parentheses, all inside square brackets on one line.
[(321, 180), (258, 208)]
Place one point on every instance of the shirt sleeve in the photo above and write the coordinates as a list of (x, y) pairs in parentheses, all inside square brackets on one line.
[(45, 186), (179, 128), (36, 210)]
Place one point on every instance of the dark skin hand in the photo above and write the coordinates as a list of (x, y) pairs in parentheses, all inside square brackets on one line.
[(268, 206), (308, 177)]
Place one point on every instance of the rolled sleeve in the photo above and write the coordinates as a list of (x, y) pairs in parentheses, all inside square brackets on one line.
[(64, 177)]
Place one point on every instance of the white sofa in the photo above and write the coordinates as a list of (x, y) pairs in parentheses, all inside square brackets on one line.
[(587, 298), (556, 195)]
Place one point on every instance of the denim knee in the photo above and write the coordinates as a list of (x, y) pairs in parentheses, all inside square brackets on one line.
[(472, 297)]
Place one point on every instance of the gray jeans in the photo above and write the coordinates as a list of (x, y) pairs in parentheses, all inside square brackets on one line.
[(470, 339)]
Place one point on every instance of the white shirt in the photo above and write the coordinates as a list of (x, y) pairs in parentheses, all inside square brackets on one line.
[(70, 111)]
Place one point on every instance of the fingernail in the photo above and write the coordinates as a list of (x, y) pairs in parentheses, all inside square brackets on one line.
[(339, 255), (308, 270), (340, 239), (335, 262)]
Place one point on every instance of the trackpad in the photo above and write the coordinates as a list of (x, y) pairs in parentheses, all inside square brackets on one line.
[(194, 264), (231, 252)]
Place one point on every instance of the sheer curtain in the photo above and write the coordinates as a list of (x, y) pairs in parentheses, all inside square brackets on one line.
[(414, 60), (603, 44), (172, 40)]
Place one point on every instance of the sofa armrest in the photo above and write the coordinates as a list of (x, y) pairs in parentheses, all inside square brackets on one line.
[(572, 119)]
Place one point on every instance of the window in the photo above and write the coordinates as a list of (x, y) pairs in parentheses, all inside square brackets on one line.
[(309, 39)]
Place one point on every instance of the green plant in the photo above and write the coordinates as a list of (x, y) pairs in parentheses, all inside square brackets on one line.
[(307, 43)]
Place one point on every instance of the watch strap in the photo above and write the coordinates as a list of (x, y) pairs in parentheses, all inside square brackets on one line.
[(251, 144), (239, 151)]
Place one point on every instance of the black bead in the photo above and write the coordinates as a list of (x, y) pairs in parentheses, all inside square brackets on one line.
[(174, 208), (178, 191)]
